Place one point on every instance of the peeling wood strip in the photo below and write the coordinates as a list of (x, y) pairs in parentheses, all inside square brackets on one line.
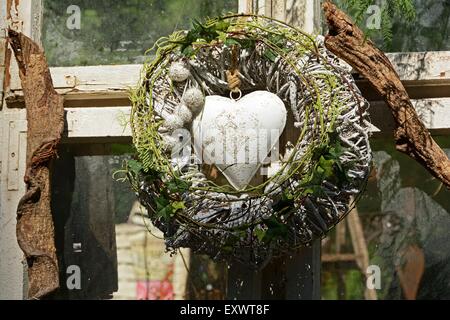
[(45, 124)]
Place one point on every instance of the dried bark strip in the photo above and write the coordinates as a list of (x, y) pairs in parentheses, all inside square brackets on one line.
[(45, 115), (347, 41)]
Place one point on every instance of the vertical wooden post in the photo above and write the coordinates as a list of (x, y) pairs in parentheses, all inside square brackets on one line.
[(295, 277), (303, 274), (243, 283), (290, 277)]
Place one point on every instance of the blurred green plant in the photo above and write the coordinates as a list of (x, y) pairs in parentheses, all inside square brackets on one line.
[(118, 32), (389, 10)]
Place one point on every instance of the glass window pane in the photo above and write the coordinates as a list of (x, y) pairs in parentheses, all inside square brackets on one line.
[(85, 32), (405, 215), (101, 228), (429, 31)]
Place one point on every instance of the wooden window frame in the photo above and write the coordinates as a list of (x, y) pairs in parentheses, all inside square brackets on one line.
[(96, 100)]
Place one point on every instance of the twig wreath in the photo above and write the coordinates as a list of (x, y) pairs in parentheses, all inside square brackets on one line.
[(275, 75)]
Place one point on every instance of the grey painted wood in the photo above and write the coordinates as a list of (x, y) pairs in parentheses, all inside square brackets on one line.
[(303, 274), (243, 283), (296, 277)]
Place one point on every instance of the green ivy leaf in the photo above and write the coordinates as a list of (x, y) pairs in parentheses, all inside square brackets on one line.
[(285, 204), (178, 186), (230, 42), (325, 168), (222, 25), (178, 205), (135, 166), (164, 208), (260, 234), (275, 229), (270, 55), (188, 51)]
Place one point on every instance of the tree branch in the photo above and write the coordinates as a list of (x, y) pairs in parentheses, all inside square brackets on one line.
[(347, 41)]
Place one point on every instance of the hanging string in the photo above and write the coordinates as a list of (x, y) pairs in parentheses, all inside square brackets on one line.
[(233, 75)]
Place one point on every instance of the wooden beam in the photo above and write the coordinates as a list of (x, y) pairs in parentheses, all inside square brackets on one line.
[(434, 113), (424, 74), (360, 247), (303, 274), (97, 122), (109, 122), (338, 257)]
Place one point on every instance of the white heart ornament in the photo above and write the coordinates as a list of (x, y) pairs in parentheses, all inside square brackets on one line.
[(237, 136)]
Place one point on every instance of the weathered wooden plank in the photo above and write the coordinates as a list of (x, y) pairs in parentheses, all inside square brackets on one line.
[(420, 70), (88, 82), (245, 6), (97, 122), (11, 268), (243, 283), (433, 65), (107, 122), (360, 247), (278, 9), (435, 114), (304, 14), (303, 274), (84, 209), (338, 257)]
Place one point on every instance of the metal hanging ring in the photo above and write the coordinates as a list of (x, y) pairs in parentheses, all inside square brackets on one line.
[(239, 94)]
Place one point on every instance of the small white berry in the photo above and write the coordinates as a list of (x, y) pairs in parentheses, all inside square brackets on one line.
[(194, 99), (173, 122), (178, 72), (169, 142), (184, 113)]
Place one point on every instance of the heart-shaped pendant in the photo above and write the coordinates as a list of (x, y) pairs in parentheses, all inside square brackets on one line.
[(237, 135)]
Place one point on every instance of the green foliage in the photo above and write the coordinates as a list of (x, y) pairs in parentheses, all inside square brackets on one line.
[(406, 25), (275, 229), (342, 283), (204, 33), (177, 185), (390, 10), (165, 208), (118, 32), (135, 166), (285, 204), (327, 167), (271, 229)]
